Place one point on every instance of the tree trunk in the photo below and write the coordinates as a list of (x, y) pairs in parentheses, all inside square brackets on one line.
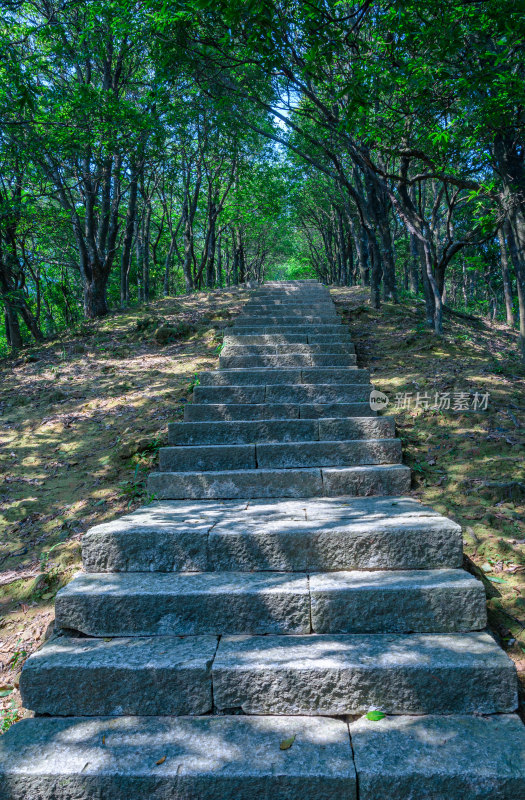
[(519, 269), (95, 302), (125, 262), (505, 274)]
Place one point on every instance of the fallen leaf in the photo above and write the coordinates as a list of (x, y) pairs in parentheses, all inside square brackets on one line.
[(375, 716), (161, 761), (287, 743), (495, 580), (48, 595), (5, 692)]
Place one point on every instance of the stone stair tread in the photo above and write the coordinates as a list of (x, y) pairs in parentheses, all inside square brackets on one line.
[(72, 676), (326, 674), (284, 360), (203, 758), (293, 482), (454, 757), (285, 338), (300, 536)]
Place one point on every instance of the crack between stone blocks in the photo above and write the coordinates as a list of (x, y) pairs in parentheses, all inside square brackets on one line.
[(211, 675), (309, 603), (208, 544), (353, 761)]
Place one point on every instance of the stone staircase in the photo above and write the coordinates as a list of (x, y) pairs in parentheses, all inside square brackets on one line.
[(228, 640)]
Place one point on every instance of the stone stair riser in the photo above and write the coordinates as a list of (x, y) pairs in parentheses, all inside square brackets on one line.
[(285, 360), (272, 376), (267, 483), (283, 393), (285, 430), (210, 412), (238, 546), (162, 675), (339, 675), (238, 349)]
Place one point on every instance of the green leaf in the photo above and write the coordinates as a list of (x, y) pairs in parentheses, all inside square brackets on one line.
[(287, 743), (496, 580), (5, 692), (375, 716), (48, 595)]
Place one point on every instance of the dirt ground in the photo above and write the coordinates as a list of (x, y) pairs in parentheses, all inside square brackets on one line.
[(82, 418)]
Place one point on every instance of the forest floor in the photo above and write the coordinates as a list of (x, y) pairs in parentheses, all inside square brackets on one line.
[(82, 418)]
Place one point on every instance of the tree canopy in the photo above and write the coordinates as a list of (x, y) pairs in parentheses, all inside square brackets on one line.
[(153, 148)]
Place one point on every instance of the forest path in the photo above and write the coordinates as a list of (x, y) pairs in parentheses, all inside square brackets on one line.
[(223, 641)]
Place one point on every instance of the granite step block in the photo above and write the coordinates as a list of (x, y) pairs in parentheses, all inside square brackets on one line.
[(315, 393), (286, 455), (380, 533), (243, 432), (278, 339), (286, 360), (275, 483), (211, 412), (366, 480), (455, 757), (139, 676), (288, 319), (207, 457), (273, 376), (279, 430), (208, 412), (262, 329), (170, 758), (189, 604), (373, 533), (250, 377), (229, 394), (457, 673), (232, 349), (232, 484), (425, 601)]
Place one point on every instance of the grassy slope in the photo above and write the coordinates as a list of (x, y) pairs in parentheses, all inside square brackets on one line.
[(455, 457), (73, 412), (81, 420)]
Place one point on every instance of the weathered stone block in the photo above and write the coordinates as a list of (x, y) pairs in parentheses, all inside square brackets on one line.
[(440, 758), (134, 604), (92, 677), (185, 758), (437, 601), (462, 673)]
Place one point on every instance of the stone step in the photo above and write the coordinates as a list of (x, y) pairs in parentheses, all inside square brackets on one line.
[(285, 393), (295, 349), (298, 536), (278, 339), (151, 675), (280, 430), (285, 319), (263, 329), (170, 758), (243, 361), (456, 673), (425, 601), (440, 758), (274, 483), (209, 412), (189, 604), (284, 455), (273, 376), (267, 309)]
